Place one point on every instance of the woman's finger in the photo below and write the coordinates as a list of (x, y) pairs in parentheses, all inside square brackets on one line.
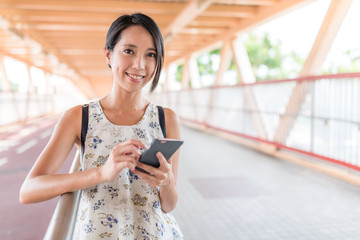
[(127, 150), (162, 159), (155, 176), (149, 178), (146, 167), (134, 142)]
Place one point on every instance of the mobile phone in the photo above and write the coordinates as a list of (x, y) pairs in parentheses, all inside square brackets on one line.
[(166, 146)]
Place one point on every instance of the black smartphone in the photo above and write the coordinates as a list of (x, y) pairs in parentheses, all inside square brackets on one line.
[(166, 146)]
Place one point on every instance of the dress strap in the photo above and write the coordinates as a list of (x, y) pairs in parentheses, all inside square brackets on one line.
[(84, 126), (162, 120)]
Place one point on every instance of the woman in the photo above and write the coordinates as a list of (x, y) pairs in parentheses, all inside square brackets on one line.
[(118, 201)]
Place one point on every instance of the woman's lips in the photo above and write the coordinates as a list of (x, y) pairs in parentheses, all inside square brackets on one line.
[(135, 77)]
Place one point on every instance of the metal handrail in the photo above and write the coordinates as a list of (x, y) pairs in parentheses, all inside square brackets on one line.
[(314, 115), (63, 220)]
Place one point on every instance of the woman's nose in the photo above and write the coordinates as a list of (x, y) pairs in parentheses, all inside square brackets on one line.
[(139, 63)]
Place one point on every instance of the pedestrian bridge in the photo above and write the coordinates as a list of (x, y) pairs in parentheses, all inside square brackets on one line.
[(226, 191), (273, 159)]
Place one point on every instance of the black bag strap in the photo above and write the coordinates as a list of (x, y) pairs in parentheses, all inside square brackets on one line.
[(162, 120), (84, 126)]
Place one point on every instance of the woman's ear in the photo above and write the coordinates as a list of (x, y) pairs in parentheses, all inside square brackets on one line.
[(108, 56)]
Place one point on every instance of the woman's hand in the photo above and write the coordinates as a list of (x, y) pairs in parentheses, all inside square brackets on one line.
[(165, 176), (157, 177), (123, 155)]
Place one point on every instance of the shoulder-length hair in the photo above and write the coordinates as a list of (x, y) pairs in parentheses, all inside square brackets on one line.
[(149, 24)]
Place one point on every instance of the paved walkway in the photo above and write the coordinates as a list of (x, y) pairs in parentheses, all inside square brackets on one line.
[(231, 192), (226, 192), (19, 149)]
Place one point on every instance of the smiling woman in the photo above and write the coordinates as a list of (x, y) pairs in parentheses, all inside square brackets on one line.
[(157, 49), (118, 201), (133, 59)]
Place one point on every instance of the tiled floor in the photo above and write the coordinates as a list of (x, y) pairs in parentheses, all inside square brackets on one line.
[(227, 191)]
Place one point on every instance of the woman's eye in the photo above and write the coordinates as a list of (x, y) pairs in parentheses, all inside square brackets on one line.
[(152, 55), (129, 51)]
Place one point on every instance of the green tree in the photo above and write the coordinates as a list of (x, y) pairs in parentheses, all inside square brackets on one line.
[(206, 62), (178, 74), (349, 62), (265, 56), (268, 60), (353, 64)]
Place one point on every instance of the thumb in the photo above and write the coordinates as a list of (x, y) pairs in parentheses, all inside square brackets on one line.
[(162, 159)]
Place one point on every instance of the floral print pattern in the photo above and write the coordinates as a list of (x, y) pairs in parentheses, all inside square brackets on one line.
[(95, 141), (114, 192), (126, 208), (138, 200), (108, 220), (100, 160)]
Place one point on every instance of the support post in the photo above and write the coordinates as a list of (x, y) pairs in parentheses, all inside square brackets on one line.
[(5, 82), (330, 26), (7, 87), (247, 75), (324, 40), (225, 56), (194, 73), (242, 62), (185, 75)]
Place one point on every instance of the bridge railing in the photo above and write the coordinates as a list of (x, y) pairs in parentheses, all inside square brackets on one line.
[(18, 107), (318, 115), (63, 220)]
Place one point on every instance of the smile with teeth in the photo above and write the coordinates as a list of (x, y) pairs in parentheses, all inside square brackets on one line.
[(136, 77)]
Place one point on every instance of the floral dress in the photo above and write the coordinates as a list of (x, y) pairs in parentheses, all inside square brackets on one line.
[(126, 208)]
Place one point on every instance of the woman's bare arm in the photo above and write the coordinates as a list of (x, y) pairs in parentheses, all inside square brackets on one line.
[(42, 182)]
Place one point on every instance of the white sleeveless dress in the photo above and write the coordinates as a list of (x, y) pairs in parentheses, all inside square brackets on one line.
[(127, 208)]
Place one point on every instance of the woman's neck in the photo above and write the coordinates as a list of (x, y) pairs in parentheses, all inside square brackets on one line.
[(123, 101)]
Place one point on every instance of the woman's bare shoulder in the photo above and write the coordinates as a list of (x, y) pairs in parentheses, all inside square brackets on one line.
[(70, 121), (172, 123), (171, 115), (72, 114)]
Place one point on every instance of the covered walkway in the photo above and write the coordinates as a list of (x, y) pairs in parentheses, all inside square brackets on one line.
[(51, 58), (226, 192)]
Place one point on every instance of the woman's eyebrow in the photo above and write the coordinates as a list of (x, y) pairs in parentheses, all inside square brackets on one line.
[(134, 46), (129, 45)]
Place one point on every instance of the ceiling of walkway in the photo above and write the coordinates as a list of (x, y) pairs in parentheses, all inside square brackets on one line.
[(66, 37)]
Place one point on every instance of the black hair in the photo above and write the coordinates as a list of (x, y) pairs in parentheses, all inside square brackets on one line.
[(150, 25)]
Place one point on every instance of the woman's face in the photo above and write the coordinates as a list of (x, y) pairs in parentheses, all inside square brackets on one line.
[(133, 58)]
